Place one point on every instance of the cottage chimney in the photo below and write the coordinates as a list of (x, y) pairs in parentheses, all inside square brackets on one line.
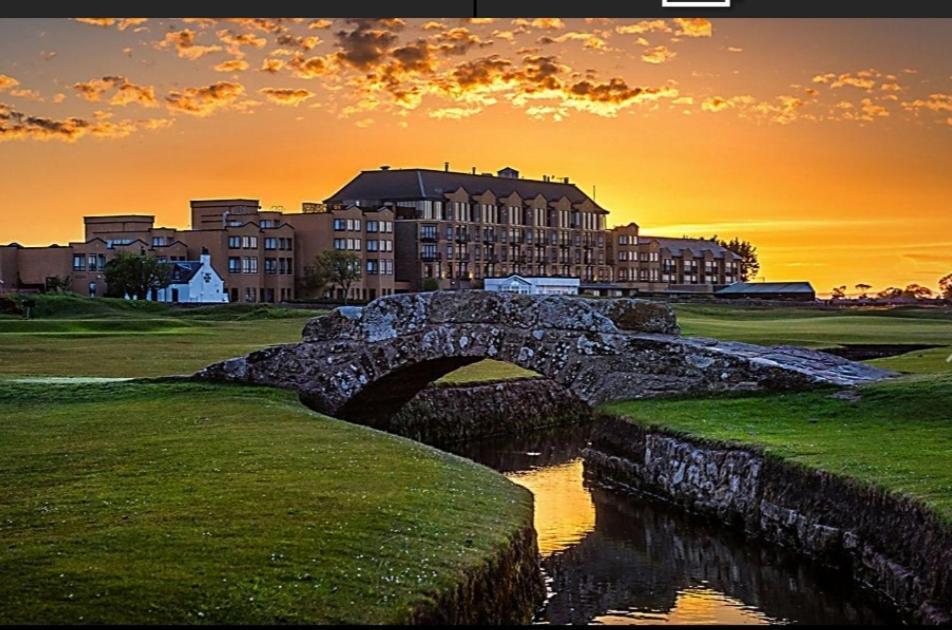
[(446, 166)]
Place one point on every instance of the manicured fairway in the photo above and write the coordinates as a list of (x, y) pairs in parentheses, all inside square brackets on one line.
[(824, 328), (817, 328), (133, 348), (898, 435), (183, 503), (73, 336)]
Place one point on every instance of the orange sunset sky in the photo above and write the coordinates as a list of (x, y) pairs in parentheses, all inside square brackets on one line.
[(828, 143)]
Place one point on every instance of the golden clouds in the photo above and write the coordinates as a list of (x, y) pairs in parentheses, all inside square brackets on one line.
[(286, 96), (864, 79), (7, 82), (232, 65), (936, 102), (715, 104), (658, 54), (458, 41), (301, 42), (308, 68), (589, 40), (234, 41), (644, 26), (437, 68), (540, 23), (125, 92), (204, 101), (368, 42), (185, 44), (694, 27), (121, 23), (15, 125), (272, 65)]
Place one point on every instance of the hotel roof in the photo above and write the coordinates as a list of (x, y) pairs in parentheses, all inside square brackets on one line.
[(677, 246), (767, 287), (420, 183)]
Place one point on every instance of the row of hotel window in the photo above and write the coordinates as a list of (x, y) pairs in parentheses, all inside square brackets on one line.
[(353, 225), (430, 251), (709, 265), (430, 232), (251, 242), (654, 275), (465, 271), (249, 264), (373, 245), (506, 215), (92, 262), (97, 262)]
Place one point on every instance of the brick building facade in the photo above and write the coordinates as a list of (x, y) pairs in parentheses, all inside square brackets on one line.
[(411, 229)]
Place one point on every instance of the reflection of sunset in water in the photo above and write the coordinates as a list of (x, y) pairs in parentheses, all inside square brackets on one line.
[(564, 511), (696, 605)]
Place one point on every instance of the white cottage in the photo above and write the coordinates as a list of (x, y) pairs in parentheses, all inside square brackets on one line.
[(533, 285), (192, 282)]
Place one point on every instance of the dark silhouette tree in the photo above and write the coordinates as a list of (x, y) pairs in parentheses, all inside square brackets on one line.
[(135, 275), (749, 263), (945, 286), (863, 290), (839, 292), (890, 293), (916, 291)]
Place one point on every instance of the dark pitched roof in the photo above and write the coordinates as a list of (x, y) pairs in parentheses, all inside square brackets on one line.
[(182, 271), (768, 287), (421, 183), (694, 245)]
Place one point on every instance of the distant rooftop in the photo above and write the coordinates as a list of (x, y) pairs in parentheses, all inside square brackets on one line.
[(421, 183), (694, 245), (767, 287)]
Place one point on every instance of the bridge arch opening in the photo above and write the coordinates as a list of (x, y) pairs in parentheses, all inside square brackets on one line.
[(441, 400)]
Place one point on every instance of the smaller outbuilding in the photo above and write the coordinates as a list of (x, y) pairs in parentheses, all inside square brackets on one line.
[(192, 282), (533, 285), (789, 291)]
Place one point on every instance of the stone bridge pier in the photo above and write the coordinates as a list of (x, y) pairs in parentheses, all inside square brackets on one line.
[(363, 364)]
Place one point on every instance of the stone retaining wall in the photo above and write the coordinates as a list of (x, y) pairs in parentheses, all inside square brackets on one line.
[(507, 589), (893, 544), (442, 415)]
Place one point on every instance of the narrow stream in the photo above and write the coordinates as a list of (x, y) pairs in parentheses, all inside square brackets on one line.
[(612, 558)]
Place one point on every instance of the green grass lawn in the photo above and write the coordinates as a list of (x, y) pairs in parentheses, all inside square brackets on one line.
[(76, 336), (827, 328), (183, 503), (898, 435), (133, 348), (486, 370), (817, 328)]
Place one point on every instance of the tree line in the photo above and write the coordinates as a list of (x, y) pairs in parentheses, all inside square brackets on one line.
[(913, 290)]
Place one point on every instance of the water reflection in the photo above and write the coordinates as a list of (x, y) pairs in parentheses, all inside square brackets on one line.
[(697, 605), (564, 510), (615, 559)]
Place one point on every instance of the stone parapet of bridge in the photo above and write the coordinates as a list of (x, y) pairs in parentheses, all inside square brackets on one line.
[(364, 363)]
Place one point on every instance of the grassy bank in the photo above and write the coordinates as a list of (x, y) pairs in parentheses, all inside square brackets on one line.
[(180, 503), (898, 435), (75, 336), (816, 328)]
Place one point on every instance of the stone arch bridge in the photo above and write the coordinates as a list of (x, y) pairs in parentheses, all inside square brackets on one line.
[(363, 364)]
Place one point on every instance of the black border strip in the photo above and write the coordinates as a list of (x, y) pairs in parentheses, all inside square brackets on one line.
[(492, 8)]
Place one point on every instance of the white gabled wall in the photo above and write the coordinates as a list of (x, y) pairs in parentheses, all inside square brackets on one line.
[(205, 287)]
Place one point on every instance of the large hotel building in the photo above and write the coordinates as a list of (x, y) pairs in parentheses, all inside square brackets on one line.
[(413, 229)]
